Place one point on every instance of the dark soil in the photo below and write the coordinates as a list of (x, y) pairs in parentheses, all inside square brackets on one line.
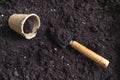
[(94, 23), (29, 24)]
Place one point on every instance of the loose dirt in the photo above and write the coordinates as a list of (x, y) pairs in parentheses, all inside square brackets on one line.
[(94, 23)]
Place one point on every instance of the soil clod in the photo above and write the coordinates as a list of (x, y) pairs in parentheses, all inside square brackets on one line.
[(60, 36)]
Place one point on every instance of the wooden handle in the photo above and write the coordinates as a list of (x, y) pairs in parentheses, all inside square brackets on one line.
[(89, 53)]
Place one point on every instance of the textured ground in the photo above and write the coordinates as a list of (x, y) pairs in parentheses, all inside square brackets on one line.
[(94, 23)]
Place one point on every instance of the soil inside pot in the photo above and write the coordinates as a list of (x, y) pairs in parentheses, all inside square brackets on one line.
[(29, 24)]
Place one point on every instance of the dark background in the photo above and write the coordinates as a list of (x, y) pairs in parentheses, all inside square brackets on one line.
[(94, 23)]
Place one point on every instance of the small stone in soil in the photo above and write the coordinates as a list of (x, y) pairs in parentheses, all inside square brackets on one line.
[(42, 43), (32, 0), (52, 9), (55, 49), (62, 57), (2, 15), (29, 24), (27, 77), (68, 64), (25, 57), (83, 22), (16, 73), (51, 50)]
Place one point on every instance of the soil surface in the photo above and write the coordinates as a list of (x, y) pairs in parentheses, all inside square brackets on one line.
[(94, 23), (60, 36)]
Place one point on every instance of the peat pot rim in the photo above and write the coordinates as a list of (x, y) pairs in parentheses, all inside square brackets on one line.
[(35, 27)]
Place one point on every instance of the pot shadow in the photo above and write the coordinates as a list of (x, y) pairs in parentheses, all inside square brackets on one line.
[(7, 33)]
